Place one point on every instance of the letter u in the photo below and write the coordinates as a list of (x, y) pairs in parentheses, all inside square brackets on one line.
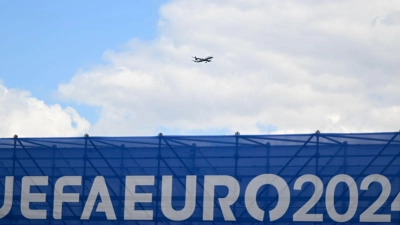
[(190, 199), (8, 196)]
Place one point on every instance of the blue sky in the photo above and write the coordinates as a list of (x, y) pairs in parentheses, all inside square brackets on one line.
[(44, 43), (124, 68)]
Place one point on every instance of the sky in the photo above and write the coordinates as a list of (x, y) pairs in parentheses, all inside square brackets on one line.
[(125, 69)]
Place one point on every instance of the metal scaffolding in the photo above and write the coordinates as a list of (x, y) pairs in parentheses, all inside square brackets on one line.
[(240, 156)]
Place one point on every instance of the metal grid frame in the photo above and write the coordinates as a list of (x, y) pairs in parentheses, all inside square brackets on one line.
[(240, 156)]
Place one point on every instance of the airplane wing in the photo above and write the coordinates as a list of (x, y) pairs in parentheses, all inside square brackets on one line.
[(196, 59)]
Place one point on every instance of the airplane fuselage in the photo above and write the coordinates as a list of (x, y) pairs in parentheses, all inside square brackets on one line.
[(207, 59)]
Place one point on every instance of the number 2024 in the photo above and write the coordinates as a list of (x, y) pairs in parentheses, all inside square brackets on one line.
[(367, 216)]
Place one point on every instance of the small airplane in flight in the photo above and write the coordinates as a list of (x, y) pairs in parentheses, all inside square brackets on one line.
[(206, 59)]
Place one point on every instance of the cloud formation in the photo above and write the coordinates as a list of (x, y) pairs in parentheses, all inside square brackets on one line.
[(279, 67), (27, 116)]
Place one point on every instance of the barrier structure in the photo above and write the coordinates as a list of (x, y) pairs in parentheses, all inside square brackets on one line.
[(318, 178)]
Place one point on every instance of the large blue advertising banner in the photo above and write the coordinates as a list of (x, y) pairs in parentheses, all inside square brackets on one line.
[(241, 179)]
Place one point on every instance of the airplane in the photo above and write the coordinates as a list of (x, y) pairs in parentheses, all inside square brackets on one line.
[(206, 59)]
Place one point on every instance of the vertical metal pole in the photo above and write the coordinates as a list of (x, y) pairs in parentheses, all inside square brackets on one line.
[(193, 154), (14, 157), (236, 165), (14, 154), (268, 147), (53, 168), (317, 162), (121, 188), (158, 177), (236, 153), (53, 165), (344, 169), (317, 153), (345, 157), (84, 178)]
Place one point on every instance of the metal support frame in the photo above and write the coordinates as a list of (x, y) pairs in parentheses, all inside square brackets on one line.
[(361, 174), (185, 166), (236, 162), (281, 170), (317, 135), (16, 140), (318, 141), (158, 176), (112, 169)]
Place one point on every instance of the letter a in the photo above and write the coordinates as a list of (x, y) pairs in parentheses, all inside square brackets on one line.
[(99, 187)]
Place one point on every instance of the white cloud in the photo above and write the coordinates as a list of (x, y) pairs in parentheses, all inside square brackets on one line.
[(392, 18), (27, 116), (296, 66)]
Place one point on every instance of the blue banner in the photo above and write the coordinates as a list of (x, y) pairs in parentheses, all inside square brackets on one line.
[(242, 179)]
